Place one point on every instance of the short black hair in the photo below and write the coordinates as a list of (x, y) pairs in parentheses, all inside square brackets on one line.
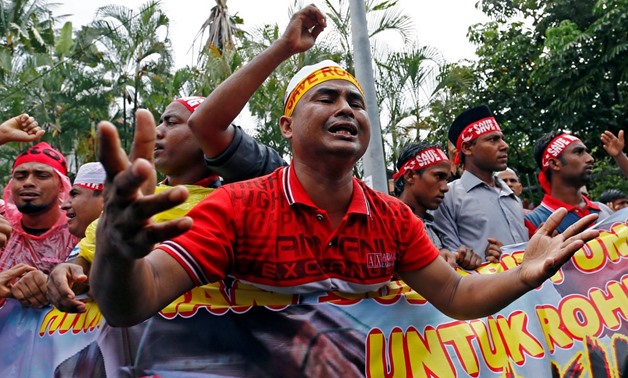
[(408, 152), (539, 149), (611, 195)]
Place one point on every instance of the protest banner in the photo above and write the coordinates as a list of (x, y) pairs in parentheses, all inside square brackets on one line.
[(574, 325)]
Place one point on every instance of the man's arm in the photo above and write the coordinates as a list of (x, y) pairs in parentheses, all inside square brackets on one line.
[(614, 145), (445, 224), (22, 128), (479, 295), (211, 120), (129, 280)]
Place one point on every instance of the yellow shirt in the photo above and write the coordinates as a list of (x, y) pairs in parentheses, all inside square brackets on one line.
[(87, 245)]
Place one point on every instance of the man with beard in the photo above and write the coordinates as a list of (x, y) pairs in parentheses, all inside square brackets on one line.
[(22, 128), (480, 210), (566, 167), (40, 237)]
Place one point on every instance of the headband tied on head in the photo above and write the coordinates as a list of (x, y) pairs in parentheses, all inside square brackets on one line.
[(553, 151), (191, 102), (309, 76), (91, 176), (43, 153), (470, 125), (423, 159)]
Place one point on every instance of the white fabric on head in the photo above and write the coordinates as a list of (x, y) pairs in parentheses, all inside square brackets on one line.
[(91, 175), (305, 72)]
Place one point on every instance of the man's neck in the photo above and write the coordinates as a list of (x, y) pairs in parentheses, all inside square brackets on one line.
[(409, 200), (43, 220), (189, 177), (486, 176), (567, 193), (330, 191)]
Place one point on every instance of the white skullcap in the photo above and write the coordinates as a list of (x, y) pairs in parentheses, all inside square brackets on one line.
[(91, 176)]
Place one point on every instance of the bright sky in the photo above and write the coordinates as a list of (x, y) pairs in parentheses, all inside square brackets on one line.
[(442, 23)]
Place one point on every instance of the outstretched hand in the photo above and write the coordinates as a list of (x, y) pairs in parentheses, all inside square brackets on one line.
[(303, 29), (545, 254), (22, 128), (125, 228), (60, 287), (614, 145)]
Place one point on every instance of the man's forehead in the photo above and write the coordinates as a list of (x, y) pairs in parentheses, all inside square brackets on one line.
[(336, 85), (441, 166), (575, 145), (491, 134), (176, 108), (33, 166), (507, 175)]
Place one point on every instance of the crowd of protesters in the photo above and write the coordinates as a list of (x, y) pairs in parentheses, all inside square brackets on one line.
[(135, 245)]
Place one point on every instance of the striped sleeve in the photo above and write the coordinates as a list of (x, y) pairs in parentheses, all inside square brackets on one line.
[(206, 251)]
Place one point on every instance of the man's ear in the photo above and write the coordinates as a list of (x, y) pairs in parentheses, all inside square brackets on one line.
[(408, 176), (285, 125), (554, 165), (61, 186), (465, 148)]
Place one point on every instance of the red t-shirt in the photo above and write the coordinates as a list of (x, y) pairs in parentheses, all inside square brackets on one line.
[(269, 233)]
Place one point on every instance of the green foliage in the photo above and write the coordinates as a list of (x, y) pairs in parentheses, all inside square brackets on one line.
[(68, 81), (132, 54), (606, 175), (71, 79), (542, 66), (64, 41)]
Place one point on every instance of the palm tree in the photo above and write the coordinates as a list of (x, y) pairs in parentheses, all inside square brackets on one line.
[(219, 52), (383, 17), (221, 28), (412, 86), (26, 29), (26, 25), (134, 48)]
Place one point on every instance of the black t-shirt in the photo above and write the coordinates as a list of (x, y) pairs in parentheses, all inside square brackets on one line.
[(244, 159)]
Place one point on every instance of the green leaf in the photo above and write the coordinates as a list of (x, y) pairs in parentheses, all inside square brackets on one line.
[(64, 41)]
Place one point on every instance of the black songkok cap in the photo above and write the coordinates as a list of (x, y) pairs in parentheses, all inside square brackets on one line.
[(465, 119)]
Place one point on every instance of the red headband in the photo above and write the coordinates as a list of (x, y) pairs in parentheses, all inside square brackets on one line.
[(474, 131), (422, 160), (552, 151), (43, 153), (191, 102), (556, 147), (95, 187)]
